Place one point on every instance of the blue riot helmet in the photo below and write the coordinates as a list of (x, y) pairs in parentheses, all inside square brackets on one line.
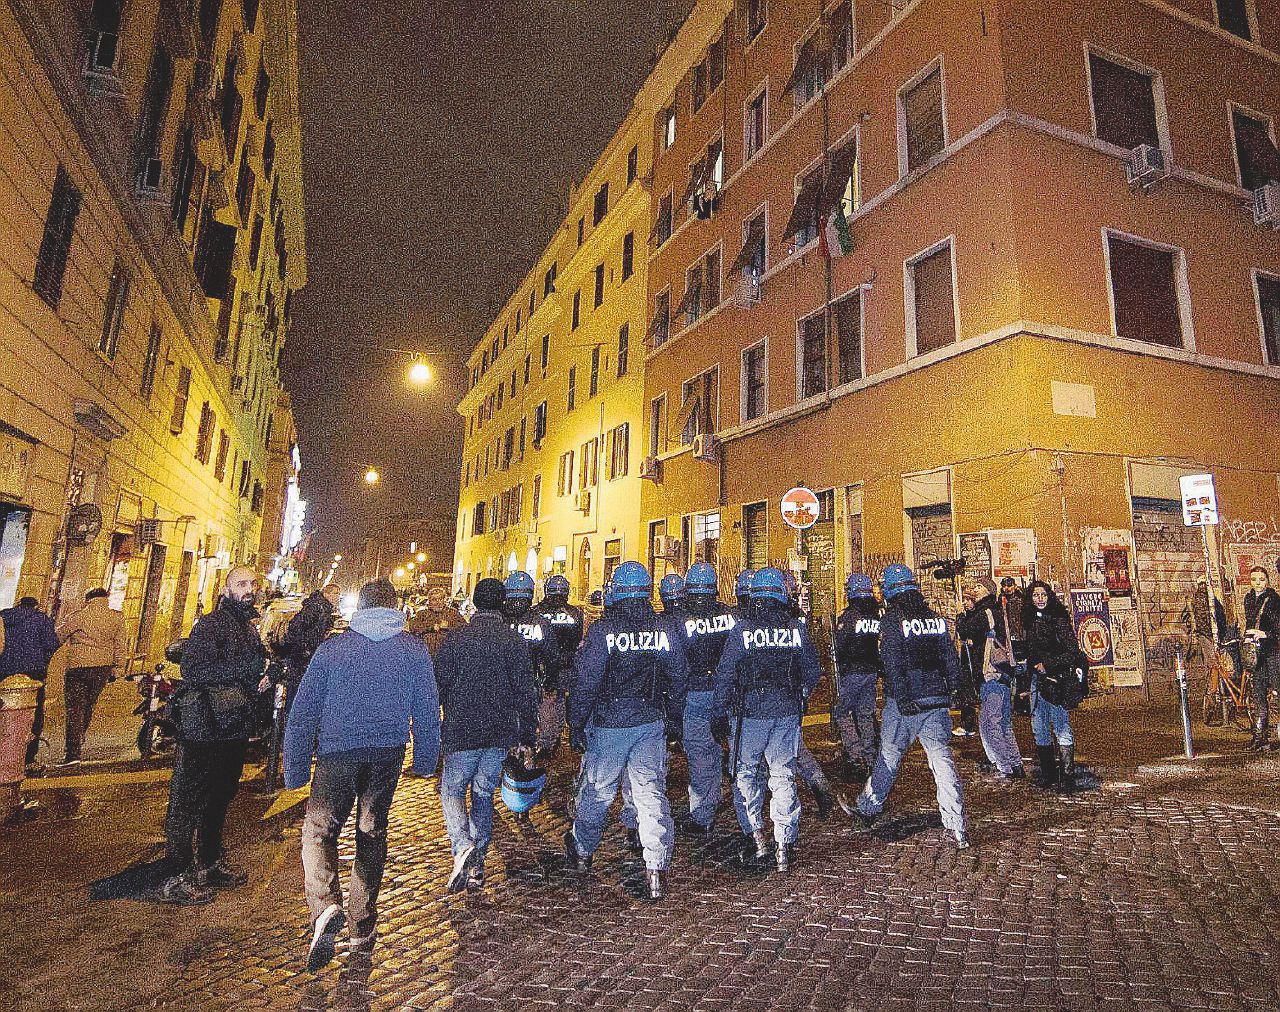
[(896, 579), (671, 589), (701, 579), (519, 584), (858, 585), (521, 787), (631, 580), (556, 586), (770, 584), (742, 586), (607, 598)]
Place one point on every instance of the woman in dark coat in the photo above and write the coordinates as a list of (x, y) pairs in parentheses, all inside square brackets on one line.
[(1050, 639)]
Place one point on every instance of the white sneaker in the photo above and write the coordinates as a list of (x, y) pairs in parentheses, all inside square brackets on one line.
[(324, 936), (461, 869)]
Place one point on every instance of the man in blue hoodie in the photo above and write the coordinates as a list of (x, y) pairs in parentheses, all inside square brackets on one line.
[(27, 642), (364, 694)]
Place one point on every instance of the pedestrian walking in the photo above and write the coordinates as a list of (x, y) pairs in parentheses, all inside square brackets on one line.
[(857, 659), (764, 678), (434, 622), (544, 648), (485, 675), (1051, 645), (28, 641), (631, 681), (988, 655), (921, 671), (306, 631), (366, 694), (222, 663), (1261, 650), (96, 649)]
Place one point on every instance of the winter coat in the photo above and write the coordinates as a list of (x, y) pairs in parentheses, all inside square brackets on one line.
[(972, 629), (307, 630), (27, 643), (567, 623), (485, 675), (432, 626), (1013, 604), (222, 664), (704, 628), (921, 665), (371, 687), (1262, 611), (544, 647), (1051, 641), (857, 641), (94, 636), (632, 670), (769, 667)]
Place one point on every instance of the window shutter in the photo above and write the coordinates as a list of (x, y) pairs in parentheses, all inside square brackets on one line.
[(220, 250), (922, 107), (802, 214), (752, 246), (1124, 104), (839, 171), (934, 302)]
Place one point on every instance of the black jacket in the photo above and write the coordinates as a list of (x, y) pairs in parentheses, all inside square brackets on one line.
[(920, 661), (1051, 641), (1262, 611), (221, 664), (544, 647), (704, 626), (769, 667), (307, 630), (566, 622), (857, 640), (484, 672), (972, 628)]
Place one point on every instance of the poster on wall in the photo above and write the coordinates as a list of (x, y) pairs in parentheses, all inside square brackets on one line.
[(1091, 615), (1013, 553), (1126, 642), (1108, 559), (975, 549)]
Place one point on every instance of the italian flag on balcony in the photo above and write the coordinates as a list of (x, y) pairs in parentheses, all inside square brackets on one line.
[(835, 239)]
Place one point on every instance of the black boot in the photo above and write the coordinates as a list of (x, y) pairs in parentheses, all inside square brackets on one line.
[(1067, 771), (826, 801), (1259, 741), (1048, 775), (633, 841)]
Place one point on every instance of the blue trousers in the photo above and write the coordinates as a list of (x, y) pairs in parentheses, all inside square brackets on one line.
[(1049, 722), (995, 724), (705, 758), (640, 753), (480, 771), (855, 714), (775, 741), (897, 733)]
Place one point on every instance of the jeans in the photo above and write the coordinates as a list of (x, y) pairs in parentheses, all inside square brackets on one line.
[(995, 724), (480, 771), (705, 759), (641, 753), (550, 721), (206, 777), (1050, 722), (897, 733), (338, 785), (855, 715), (83, 686), (775, 741)]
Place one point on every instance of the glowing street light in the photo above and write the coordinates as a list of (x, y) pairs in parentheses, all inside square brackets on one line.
[(338, 557), (422, 556), (400, 573), (411, 566), (419, 373), (372, 477)]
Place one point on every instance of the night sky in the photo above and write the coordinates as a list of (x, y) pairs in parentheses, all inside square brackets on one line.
[(439, 141)]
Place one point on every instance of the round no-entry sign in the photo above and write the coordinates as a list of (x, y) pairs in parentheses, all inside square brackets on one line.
[(800, 508)]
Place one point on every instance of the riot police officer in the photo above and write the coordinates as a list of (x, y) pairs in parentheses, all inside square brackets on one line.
[(742, 591), (857, 656), (631, 680), (704, 624), (764, 677), (921, 671), (544, 648), (566, 623), (807, 765), (671, 591)]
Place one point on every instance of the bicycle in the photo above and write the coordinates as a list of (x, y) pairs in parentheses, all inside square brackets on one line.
[(1228, 694)]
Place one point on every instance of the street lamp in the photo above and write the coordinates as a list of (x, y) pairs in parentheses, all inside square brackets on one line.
[(419, 373), (400, 573), (422, 556), (338, 557), (372, 477)]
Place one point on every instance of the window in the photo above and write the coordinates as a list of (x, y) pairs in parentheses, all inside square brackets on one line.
[(243, 489), (715, 65), (546, 354), (624, 340), (220, 461), (595, 371), (113, 315), (755, 391), (104, 36), (536, 505), (589, 464), (539, 423), (564, 481), (657, 425), (757, 14), (699, 86), (178, 419), (754, 125), (493, 513), (662, 229), (573, 382), (502, 389), (841, 34), (702, 287), (755, 530), (55, 245), (1124, 104), (619, 450), (549, 280), (149, 362), (668, 126), (810, 72), (1234, 17), (204, 434), (577, 310), (633, 164), (628, 255), (922, 127), (155, 102), (601, 205), (660, 327), (703, 531), (931, 312), (812, 356), (847, 314), (700, 407), (691, 305), (528, 363), (477, 517), (804, 216), (1269, 308), (1145, 292), (512, 393), (523, 433), (598, 296), (518, 319), (533, 301), (582, 231), (255, 502), (1256, 156)]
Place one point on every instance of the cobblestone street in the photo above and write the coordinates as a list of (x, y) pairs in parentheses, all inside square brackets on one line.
[(1156, 890)]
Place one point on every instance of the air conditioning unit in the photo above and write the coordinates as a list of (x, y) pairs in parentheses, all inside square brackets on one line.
[(151, 179), (1266, 205), (651, 469), (665, 546), (584, 500), (1146, 167), (749, 289), (706, 447)]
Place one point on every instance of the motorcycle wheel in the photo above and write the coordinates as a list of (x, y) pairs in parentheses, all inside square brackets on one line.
[(147, 738)]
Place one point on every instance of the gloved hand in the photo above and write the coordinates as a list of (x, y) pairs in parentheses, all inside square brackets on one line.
[(908, 708), (720, 730), (578, 739)]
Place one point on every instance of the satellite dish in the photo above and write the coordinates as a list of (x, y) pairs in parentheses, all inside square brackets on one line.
[(84, 523)]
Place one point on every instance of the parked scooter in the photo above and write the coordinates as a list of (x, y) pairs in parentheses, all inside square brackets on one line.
[(158, 734)]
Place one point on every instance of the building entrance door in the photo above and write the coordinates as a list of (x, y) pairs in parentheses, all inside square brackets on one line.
[(1169, 558), (150, 600), (14, 522), (177, 620)]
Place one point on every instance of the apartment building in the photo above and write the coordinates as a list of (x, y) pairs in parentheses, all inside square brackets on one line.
[(551, 463), (150, 175), (989, 278)]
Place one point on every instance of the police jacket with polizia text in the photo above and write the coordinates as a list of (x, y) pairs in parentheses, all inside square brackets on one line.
[(704, 627), (631, 670), (768, 668), (921, 665), (544, 648), (566, 623), (857, 640)]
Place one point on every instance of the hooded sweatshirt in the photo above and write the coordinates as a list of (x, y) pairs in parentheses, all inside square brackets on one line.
[(365, 693)]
